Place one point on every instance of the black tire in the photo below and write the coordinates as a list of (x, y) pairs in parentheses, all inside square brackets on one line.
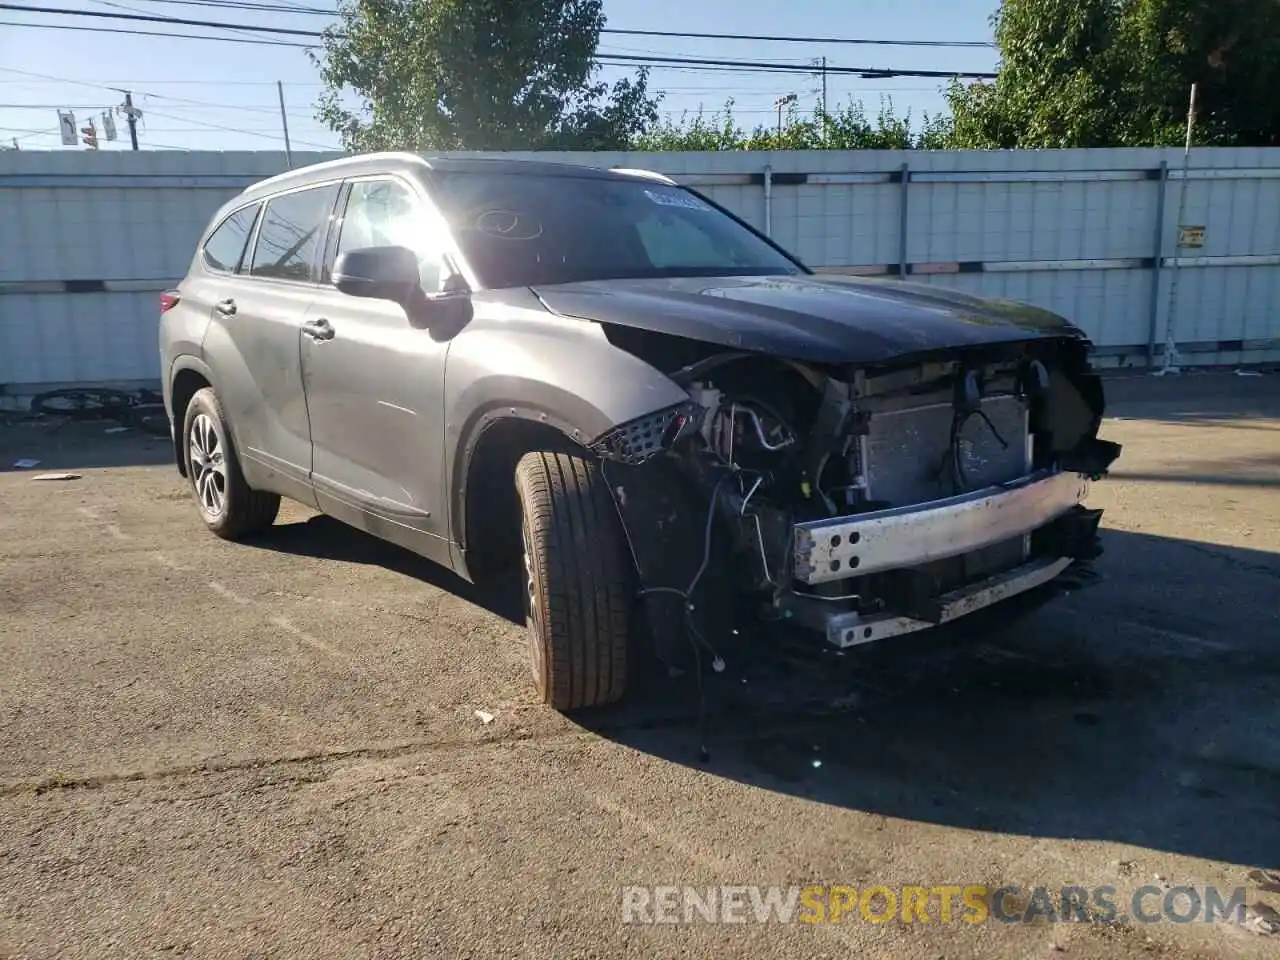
[(580, 584), (244, 512)]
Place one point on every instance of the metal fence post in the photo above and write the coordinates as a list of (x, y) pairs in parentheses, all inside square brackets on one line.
[(902, 221), (768, 200), (1154, 319)]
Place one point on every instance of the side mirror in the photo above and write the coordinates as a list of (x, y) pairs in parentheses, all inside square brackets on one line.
[(379, 273), (447, 312)]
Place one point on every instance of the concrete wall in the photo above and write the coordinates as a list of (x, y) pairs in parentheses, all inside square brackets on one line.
[(88, 240)]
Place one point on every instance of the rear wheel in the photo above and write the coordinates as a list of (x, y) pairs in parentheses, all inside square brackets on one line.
[(579, 581), (227, 505)]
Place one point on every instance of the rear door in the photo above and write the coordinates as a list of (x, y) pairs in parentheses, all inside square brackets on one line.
[(375, 382), (253, 343), (210, 280)]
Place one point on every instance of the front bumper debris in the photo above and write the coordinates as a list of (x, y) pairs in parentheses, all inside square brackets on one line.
[(850, 629), (841, 547)]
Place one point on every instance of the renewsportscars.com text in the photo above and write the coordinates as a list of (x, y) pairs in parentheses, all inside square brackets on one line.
[(974, 904)]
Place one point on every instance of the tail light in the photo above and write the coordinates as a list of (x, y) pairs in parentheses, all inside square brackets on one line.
[(168, 300)]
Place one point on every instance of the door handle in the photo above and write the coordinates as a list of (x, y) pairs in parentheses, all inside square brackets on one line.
[(318, 329), (226, 307)]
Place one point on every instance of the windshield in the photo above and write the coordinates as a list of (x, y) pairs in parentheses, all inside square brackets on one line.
[(525, 230)]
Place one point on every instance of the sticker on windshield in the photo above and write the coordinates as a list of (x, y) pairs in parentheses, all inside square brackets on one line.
[(676, 198), (507, 225)]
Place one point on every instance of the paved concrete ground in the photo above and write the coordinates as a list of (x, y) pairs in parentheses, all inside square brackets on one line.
[(271, 750)]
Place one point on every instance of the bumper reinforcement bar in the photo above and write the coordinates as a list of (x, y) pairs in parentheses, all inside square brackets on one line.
[(851, 546), (851, 629)]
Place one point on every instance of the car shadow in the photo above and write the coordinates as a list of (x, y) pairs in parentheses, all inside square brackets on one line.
[(324, 538), (66, 445), (1142, 710)]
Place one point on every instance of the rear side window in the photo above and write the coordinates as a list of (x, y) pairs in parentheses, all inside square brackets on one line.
[(292, 230), (225, 246)]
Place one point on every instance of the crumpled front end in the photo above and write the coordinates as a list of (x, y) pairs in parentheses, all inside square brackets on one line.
[(869, 502)]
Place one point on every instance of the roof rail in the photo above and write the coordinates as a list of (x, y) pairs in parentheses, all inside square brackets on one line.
[(645, 174), (338, 163)]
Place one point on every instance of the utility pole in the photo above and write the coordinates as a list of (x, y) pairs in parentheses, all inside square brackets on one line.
[(824, 100), (824, 84), (779, 104), (131, 116), (284, 124), (1170, 342)]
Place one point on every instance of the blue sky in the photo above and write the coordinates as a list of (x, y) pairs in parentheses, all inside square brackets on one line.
[(206, 95)]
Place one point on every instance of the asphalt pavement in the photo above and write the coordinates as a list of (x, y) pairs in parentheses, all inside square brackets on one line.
[(273, 749)]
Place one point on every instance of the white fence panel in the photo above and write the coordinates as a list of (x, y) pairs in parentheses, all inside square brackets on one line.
[(88, 240)]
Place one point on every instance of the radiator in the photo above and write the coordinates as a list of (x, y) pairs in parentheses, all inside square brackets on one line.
[(906, 453)]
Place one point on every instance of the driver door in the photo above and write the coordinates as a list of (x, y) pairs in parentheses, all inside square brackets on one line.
[(374, 382)]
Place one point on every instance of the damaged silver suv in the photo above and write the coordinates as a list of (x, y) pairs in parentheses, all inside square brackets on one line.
[(674, 425)]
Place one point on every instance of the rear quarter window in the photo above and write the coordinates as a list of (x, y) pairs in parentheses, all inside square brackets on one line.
[(224, 249)]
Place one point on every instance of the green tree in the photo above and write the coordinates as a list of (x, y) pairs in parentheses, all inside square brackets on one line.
[(1102, 73), (474, 75), (844, 128)]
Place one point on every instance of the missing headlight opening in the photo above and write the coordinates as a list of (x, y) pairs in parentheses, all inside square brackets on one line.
[(873, 501)]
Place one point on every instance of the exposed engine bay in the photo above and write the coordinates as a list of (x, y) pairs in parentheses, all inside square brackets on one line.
[(873, 501)]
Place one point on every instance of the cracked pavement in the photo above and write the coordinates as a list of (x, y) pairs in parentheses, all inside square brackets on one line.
[(272, 749)]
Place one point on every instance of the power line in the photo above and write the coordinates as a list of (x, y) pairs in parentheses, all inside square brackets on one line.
[(115, 84), (51, 106), (278, 7), (244, 5), (219, 126), (155, 33), (155, 113), (613, 59), (58, 133), (760, 65), (140, 92), (45, 76), (291, 31), (124, 6), (149, 18), (215, 83), (739, 90), (767, 38)]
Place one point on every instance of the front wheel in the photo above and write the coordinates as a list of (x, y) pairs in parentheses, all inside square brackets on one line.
[(579, 581), (227, 504)]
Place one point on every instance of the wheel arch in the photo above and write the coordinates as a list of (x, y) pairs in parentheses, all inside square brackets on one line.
[(532, 380), (187, 374), (484, 505)]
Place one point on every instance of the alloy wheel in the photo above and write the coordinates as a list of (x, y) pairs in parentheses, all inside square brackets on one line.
[(208, 466)]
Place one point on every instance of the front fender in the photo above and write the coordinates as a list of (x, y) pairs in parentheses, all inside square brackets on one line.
[(520, 361)]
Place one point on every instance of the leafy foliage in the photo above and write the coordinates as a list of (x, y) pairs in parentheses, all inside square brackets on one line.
[(1095, 73), (475, 75), (520, 75), (846, 128)]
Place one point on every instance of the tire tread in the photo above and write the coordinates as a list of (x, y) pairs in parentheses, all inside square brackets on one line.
[(586, 578)]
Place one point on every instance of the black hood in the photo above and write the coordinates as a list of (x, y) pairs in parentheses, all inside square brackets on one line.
[(819, 319)]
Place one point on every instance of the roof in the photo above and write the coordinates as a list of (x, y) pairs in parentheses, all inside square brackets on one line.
[(392, 162)]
